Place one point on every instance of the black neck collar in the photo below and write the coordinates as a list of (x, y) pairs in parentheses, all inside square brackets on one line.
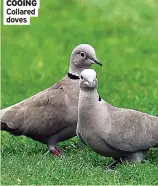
[(72, 76), (99, 98)]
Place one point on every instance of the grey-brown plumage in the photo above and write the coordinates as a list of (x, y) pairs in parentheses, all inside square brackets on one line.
[(51, 115), (110, 131)]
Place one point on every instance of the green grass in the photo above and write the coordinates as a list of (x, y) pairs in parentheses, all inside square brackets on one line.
[(124, 34)]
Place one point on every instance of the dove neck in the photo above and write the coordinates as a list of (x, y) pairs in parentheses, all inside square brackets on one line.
[(88, 96), (76, 70), (87, 106)]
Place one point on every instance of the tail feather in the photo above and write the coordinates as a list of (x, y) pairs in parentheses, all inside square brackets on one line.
[(4, 127), (1, 115), (3, 124)]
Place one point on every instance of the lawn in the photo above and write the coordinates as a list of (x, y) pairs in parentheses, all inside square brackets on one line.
[(125, 36)]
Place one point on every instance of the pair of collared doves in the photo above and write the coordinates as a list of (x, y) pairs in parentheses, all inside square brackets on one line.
[(51, 115), (123, 134)]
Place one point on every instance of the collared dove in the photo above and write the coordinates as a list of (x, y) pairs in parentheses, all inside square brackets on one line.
[(120, 133), (51, 115)]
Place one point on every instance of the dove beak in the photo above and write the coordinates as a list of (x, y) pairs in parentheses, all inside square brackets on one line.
[(91, 84), (96, 61)]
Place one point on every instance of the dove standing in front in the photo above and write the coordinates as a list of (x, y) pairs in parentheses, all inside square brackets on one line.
[(51, 115), (120, 133)]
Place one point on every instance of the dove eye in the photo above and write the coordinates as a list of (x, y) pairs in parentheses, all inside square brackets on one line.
[(82, 54), (81, 77)]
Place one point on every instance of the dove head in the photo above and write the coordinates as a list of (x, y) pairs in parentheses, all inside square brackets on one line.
[(82, 57), (88, 79)]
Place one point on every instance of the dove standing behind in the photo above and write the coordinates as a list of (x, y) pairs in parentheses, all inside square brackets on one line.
[(51, 115), (120, 133)]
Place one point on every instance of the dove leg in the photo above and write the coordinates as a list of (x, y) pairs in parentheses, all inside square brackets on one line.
[(112, 166), (63, 135), (136, 157)]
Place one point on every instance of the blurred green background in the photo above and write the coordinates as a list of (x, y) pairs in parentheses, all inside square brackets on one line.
[(125, 36)]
